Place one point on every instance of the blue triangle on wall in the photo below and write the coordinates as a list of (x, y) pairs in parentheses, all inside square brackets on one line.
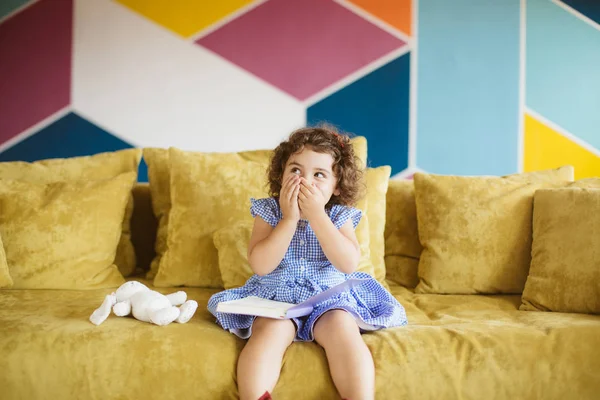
[(70, 136), (9, 6), (589, 8), (377, 107)]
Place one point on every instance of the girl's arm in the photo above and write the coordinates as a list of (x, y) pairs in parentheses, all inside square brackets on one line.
[(340, 246), (268, 245)]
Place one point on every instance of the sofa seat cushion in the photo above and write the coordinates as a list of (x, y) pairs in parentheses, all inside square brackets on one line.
[(51, 350), (483, 347), (455, 346)]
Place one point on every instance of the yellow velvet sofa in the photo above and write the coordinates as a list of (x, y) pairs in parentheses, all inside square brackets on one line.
[(456, 346)]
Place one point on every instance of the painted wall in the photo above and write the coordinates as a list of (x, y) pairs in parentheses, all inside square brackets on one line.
[(464, 87)]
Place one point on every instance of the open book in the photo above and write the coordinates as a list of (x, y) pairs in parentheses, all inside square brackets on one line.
[(260, 307)]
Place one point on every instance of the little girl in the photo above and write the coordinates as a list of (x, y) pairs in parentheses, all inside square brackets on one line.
[(303, 243)]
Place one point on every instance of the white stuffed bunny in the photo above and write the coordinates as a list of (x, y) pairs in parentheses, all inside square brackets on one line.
[(145, 305)]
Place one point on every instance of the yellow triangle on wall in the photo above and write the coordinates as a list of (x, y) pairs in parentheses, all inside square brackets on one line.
[(185, 17), (545, 148)]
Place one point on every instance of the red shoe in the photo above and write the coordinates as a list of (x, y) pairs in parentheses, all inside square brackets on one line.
[(266, 396)]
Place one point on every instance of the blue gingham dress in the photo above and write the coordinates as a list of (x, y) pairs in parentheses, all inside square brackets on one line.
[(304, 272)]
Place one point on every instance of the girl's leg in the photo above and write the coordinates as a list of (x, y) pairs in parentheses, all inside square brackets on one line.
[(350, 361), (259, 363)]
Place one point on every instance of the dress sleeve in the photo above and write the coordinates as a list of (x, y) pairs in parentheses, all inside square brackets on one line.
[(341, 214), (267, 209)]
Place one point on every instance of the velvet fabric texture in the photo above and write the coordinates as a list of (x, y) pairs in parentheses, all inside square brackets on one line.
[(159, 178), (223, 201), (232, 241), (377, 187), (587, 183), (456, 346), (63, 235), (402, 246), (476, 232), (208, 191), (99, 166), (565, 265), (5, 279)]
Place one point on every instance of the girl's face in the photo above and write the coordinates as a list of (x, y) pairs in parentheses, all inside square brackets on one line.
[(315, 168)]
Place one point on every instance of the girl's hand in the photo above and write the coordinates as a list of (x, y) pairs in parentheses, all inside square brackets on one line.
[(310, 200), (288, 198)]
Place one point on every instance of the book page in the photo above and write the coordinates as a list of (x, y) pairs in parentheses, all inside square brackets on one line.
[(254, 301), (254, 305)]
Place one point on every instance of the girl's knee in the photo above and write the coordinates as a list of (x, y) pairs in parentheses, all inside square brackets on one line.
[(277, 328), (335, 324), (336, 319)]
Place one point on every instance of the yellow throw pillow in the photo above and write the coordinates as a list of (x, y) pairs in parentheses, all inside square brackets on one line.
[(210, 191), (402, 246), (96, 167), (476, 231), (587, 183), (5, 279), (565, 266), (231, 243), (377, 186), (363, 232), (159, 177), (63, 235)]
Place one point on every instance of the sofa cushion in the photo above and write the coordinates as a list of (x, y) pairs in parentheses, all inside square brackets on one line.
[(476, 231), (455, 346), (565, 266), (207, 192), (483, 347), (63, 235), (402, 246), (50, 349), (231, 241), (5, 279), (377, 187), (159, 178), (99, 166)]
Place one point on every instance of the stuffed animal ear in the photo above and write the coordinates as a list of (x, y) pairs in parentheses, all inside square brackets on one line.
[(100, 314)]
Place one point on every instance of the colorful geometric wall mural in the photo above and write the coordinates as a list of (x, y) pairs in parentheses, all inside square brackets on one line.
[(469, 87)]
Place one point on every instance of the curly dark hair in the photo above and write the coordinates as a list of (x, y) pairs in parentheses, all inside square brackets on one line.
[(347, 167)]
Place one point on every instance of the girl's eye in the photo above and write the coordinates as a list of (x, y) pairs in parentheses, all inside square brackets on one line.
[(320, 175), (295, 171)]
